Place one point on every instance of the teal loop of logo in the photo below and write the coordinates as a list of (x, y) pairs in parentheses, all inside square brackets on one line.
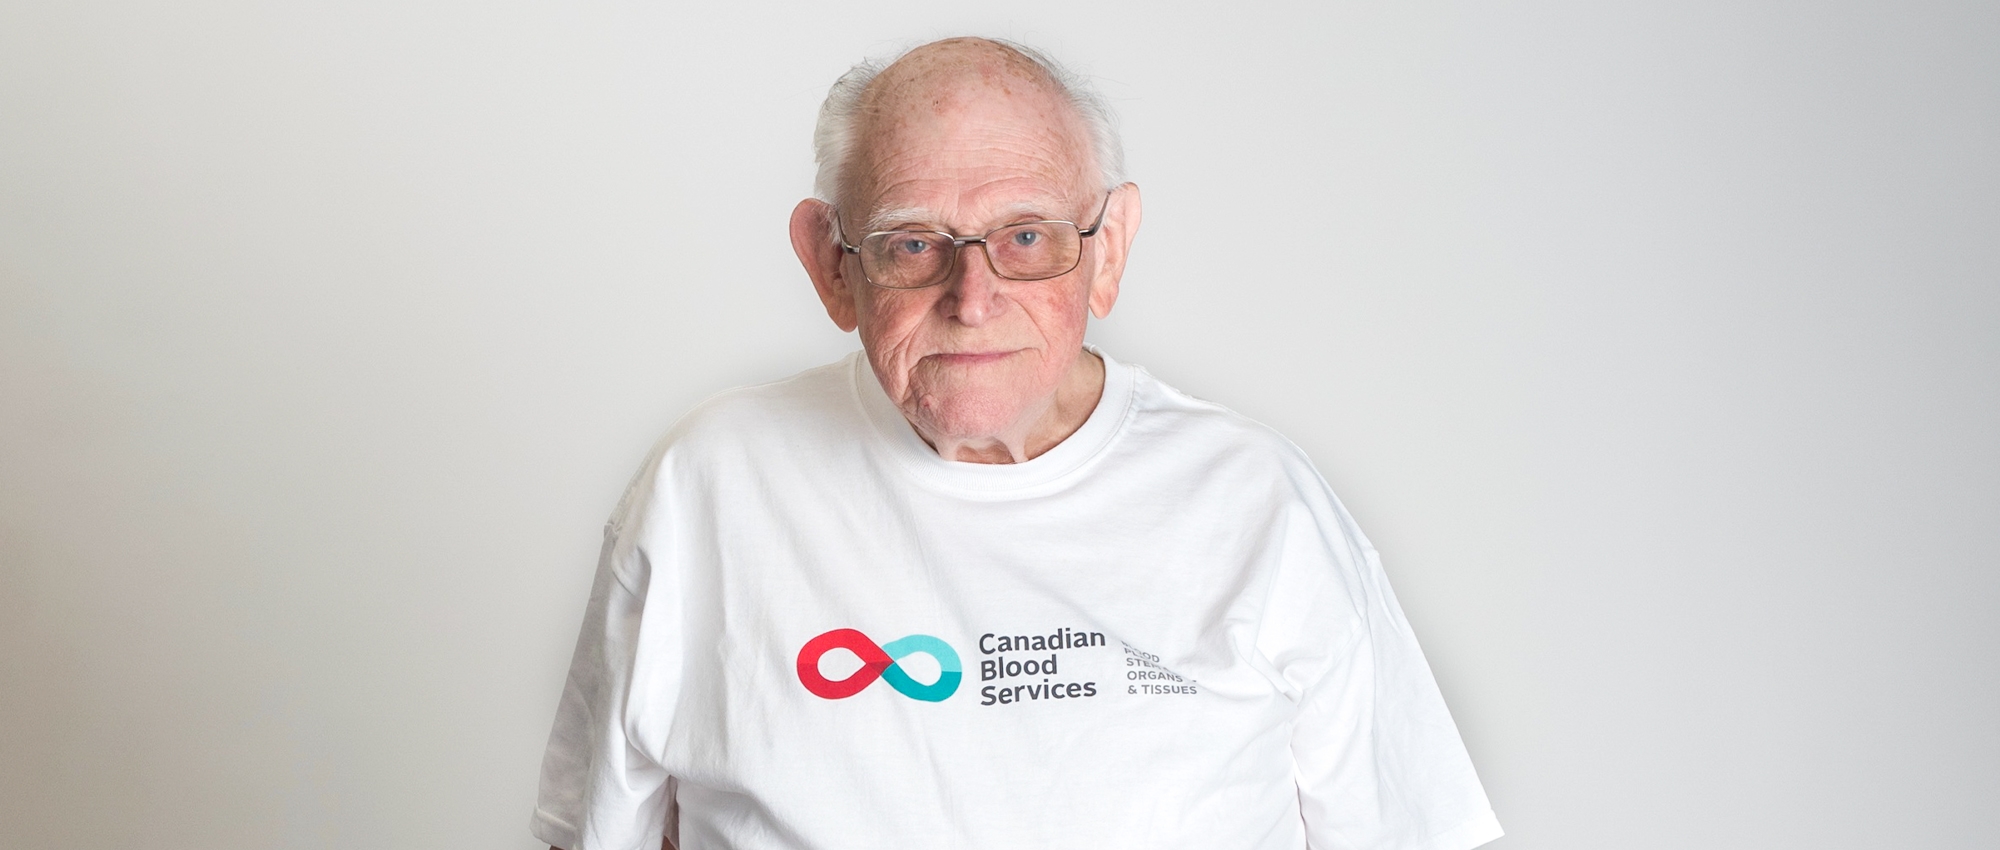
[(950, 671)]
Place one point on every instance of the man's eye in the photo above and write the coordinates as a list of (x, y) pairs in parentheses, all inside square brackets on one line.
[(913, 246), (1026, 238)]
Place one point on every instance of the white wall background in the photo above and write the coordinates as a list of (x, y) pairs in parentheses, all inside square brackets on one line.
[(1658, 348)]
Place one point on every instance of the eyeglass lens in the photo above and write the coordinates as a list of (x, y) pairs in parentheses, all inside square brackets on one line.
[(911, 259)]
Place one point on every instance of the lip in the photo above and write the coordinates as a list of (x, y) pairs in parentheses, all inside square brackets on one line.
[(970, 358)]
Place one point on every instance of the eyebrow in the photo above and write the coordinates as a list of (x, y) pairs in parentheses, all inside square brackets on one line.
[(890, 218)]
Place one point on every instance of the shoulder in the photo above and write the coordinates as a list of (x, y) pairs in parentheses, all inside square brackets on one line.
[(745, 428), (816, 398), (1169, 422), (1228, 452), (1239, 471)]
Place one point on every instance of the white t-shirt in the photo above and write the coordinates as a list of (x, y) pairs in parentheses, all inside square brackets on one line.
[(1164, 632)]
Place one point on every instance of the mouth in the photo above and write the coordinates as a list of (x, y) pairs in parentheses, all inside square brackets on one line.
[(969, 358)]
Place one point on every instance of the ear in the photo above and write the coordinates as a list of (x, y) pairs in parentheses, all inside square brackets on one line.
[(812, 240), (1114, 244)]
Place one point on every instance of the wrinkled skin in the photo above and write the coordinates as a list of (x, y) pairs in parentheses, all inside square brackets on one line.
[(965, 136)]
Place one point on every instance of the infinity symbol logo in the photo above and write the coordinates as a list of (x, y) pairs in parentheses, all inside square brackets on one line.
[(879, 662)]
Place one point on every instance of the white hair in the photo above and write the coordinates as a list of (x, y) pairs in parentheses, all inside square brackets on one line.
[(834, 138)]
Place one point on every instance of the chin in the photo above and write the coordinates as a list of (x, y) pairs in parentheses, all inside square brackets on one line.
[(970, 412)]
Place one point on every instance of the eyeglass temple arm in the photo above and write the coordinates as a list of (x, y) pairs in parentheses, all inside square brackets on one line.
[(1102, 210)]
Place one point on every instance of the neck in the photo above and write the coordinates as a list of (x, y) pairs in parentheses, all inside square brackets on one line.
[(1038, 429)]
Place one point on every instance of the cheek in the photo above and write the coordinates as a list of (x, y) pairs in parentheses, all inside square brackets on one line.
[(895, 318), (1060, 313), (893, 327)]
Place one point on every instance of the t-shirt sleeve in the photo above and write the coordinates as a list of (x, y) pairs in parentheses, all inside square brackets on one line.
[(1379, 763), (602, 787)]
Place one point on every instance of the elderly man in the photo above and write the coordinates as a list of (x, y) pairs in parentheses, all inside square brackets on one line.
[(981, 585)]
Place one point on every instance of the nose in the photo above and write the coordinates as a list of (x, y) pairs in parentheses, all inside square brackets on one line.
[(972, 292)]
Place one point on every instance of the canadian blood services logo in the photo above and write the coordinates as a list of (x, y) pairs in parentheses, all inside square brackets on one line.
[(879, 662)]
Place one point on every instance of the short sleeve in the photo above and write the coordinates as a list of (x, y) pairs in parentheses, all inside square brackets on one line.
[(602, 787), (1379, 763)]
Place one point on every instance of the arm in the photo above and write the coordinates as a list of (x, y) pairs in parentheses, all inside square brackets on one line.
[(597, 788), (1379, 762)]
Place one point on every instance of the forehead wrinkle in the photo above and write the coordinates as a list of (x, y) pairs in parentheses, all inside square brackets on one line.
[(978, 207), (970, 177), (917, 153), (892, 217)]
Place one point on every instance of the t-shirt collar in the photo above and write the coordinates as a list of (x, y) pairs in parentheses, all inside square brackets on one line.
[(899, 440)]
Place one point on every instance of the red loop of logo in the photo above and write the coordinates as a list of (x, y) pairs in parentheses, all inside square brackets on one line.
[(873, 662)]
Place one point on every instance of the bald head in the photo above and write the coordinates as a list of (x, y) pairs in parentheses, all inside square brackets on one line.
[(950, 81), (960, 59), (964, 109)]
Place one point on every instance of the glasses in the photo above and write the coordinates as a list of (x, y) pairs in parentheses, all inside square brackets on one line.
[(1031, 250)]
